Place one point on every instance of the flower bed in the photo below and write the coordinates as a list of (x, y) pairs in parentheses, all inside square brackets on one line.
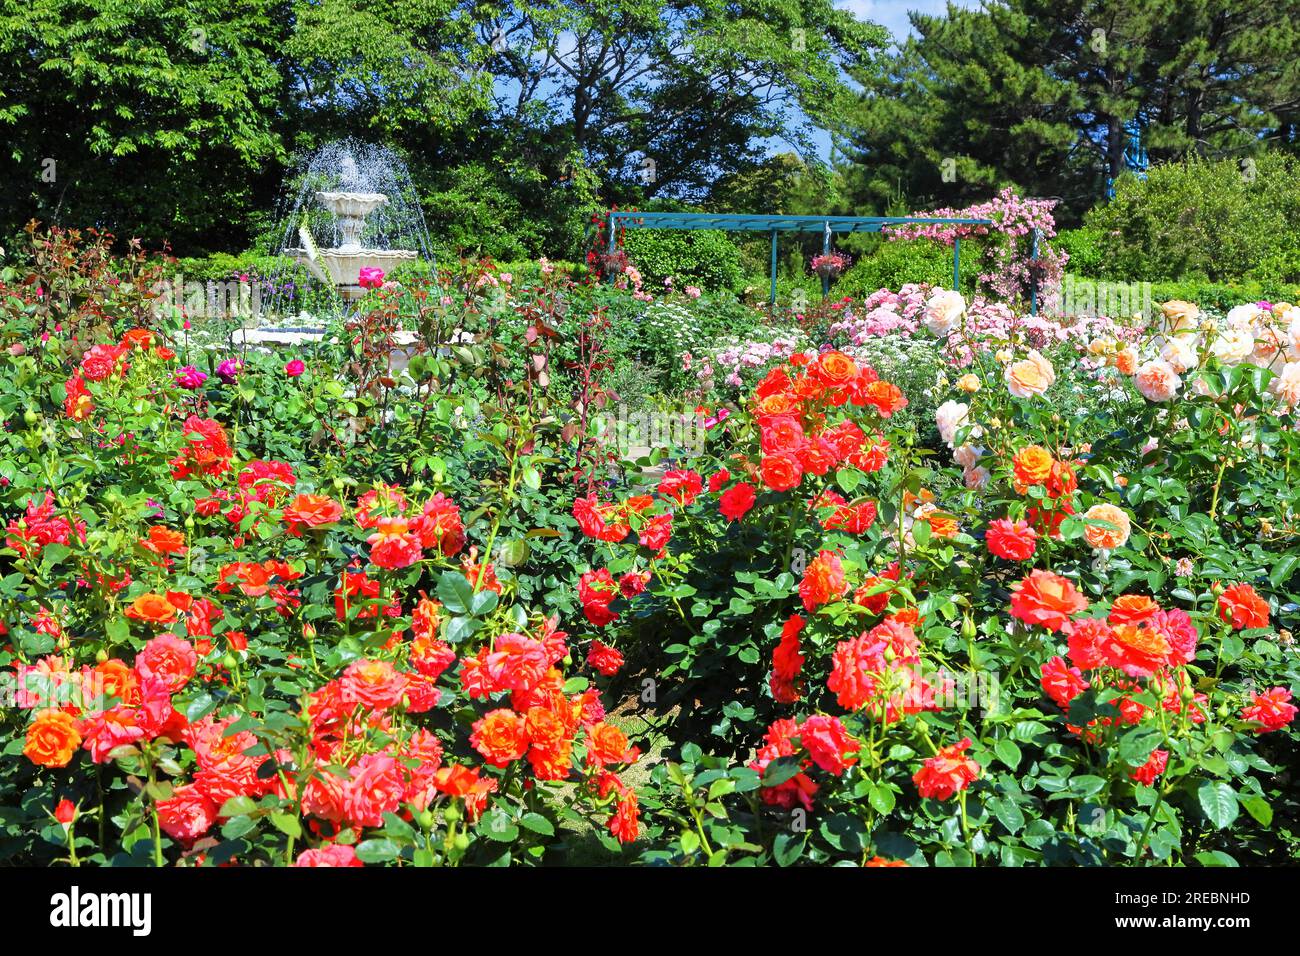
[(256, 617)]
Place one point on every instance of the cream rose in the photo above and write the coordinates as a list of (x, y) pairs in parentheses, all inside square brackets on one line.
[(1031, 376), (942, 310), (1233, 345), (1180, 353), (949, 417)]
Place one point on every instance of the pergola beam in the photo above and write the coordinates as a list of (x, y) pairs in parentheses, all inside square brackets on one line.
[(827, 225)]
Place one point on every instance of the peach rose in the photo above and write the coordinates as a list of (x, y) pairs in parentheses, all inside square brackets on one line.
[(1103, 537), (1287, 385), (969, 383), (1029, 377), (1157, 381), (1180, 315), (1126, 360)]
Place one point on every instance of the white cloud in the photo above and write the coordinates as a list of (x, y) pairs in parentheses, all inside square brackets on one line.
[(892, 14)]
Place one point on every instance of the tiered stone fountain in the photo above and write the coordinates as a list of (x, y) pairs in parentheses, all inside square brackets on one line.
[(350, 181), (342, 265)]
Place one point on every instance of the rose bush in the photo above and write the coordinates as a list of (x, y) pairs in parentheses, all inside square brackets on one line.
[(328, 608)]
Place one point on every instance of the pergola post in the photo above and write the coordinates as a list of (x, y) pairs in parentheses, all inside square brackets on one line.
[(611, 244), (826, 247), (771, 299), (1033, 275)]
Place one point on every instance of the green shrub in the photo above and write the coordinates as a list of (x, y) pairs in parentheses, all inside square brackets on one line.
[(1087, 250), (221, 266), (1224, 295), (706, 258), (894, 264), (1220, 221)]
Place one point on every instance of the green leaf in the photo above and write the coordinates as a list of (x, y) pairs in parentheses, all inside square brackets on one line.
[(881, 799), (1215, 858), (288, 824), (1008, 752), (1258, 808), (1219, 802), (378, 851), (455, 592), (788, 847), (780, 770), (483, 603), (1136, 745), (537, 823)]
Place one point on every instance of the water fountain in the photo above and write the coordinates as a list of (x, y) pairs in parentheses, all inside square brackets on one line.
[(350, 206), (341, 265)]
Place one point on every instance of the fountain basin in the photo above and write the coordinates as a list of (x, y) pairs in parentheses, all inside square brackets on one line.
[(344, 268)]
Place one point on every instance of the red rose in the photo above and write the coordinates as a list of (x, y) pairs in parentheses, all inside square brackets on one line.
[(1014, 541), (736, 501), (947, 772), (596, 592), (1241, 607)]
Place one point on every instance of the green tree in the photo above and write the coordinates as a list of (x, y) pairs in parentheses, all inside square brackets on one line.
[(661, 99), (1038, 93), (135, 114)]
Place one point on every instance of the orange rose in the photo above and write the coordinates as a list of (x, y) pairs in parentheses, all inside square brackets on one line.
[(152, 609), (1103, 537), (114, 678), (778, 404), (823, 581), (1137, 651), (500, 736), (1047, 599), (311, 511), (1241, 607), (138, 338), (164, 541), (1132, 609), (781, 472), (1032, 466), (835, 369), (1126, 360), (52, 739)]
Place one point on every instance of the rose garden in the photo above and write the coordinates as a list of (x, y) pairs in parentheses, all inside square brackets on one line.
[(358, 550)]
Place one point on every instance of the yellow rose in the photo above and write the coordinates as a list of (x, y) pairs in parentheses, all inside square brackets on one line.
[(969, 383)]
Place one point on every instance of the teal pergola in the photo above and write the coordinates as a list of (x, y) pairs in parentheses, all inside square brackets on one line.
[(826, 225)]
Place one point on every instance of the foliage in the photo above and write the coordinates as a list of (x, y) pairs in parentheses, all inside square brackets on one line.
[(1220, 221), (705, 258)]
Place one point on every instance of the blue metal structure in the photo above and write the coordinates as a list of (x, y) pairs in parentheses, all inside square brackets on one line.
[(775, 225), (1135, 156)]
